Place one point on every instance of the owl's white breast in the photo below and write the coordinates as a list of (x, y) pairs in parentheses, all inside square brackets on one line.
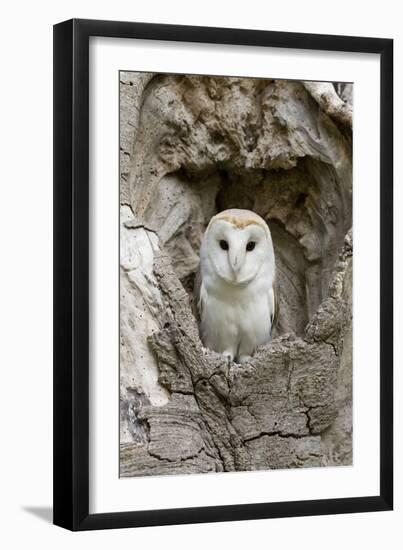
[(235, 320)]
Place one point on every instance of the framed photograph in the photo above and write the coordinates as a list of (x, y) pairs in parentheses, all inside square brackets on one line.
[(223, 274)]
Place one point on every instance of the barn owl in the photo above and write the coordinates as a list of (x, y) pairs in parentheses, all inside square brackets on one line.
[(234, 288)]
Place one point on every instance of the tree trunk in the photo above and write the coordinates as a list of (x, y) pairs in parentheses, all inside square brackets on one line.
[(192, 146)]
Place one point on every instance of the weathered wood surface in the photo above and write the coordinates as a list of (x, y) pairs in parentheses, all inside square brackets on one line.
[(195, 145)]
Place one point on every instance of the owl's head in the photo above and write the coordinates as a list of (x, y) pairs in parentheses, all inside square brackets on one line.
[(236, 246)]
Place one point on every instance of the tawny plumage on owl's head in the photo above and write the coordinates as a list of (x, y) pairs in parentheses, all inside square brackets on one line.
[(235, 289)]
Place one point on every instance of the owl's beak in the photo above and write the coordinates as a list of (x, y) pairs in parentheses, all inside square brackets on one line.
[(236, 260), (235, 266)]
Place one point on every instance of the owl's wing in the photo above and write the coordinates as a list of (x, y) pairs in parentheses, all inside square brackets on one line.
[(274, 304)]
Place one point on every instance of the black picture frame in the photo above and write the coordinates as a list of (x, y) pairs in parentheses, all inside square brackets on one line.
[(71, 274)]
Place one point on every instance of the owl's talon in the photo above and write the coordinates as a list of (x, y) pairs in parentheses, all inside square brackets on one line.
[(244, 359), (229, 357)]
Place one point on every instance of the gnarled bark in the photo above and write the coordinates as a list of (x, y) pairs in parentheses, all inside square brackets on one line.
[(201, 144)]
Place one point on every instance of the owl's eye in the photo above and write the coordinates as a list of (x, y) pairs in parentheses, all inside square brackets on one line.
[(224, 244), (250, 246)]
